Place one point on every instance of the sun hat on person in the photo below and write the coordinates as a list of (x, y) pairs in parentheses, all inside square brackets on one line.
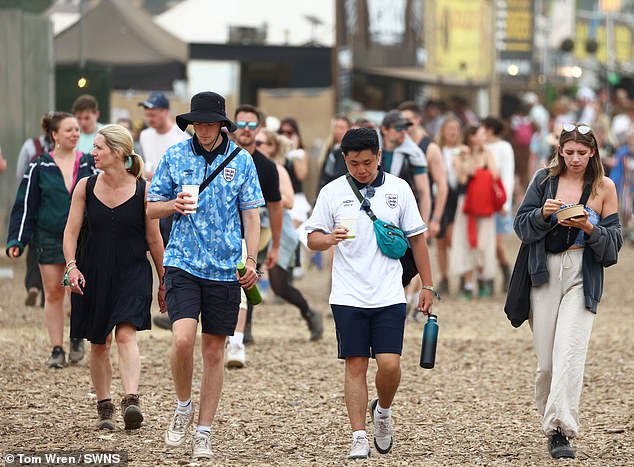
[(206, 107)]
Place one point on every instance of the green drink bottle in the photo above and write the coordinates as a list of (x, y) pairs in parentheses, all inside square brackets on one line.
[(253, 294)]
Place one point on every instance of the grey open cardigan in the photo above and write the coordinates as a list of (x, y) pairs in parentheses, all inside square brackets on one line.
[(602, 245)]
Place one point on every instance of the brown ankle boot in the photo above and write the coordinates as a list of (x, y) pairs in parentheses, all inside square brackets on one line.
[(105, 409), (131, 410)]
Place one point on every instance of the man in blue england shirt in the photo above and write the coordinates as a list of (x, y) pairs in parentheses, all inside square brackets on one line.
[(201, 255)]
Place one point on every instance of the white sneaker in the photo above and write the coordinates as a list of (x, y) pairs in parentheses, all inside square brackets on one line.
[(175, 434), (383, 432), (360, 449), (201, 446), (235, 356)]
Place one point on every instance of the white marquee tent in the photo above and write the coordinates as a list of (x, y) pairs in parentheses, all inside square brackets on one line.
[(288, 22)]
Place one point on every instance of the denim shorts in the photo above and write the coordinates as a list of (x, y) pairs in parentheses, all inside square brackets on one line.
[(216, 302), (503, 224), (365, 332)]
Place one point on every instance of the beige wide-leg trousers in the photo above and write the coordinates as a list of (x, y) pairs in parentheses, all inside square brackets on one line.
[(561, 331)]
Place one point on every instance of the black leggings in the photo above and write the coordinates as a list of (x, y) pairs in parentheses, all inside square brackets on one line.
[(279, 279)]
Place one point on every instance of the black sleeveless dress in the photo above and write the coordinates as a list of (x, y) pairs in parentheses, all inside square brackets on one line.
[(113, 260)]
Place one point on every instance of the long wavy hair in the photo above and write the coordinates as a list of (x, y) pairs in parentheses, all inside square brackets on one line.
[(594, 170)]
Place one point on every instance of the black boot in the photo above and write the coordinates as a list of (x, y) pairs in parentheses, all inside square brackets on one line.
[(315, 325)]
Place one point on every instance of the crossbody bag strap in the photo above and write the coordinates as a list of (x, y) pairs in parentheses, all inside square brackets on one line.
[(219, 169), (359, 196)]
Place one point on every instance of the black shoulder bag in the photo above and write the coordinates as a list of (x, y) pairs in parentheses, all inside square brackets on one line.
[(560, 238)]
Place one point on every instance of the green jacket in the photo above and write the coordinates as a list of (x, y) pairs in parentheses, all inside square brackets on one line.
[(43, 202)]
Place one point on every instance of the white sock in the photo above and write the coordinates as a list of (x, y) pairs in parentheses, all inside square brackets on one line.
[(381, 412), (359, 434), (236, 339), (184, 406), (204, 429)]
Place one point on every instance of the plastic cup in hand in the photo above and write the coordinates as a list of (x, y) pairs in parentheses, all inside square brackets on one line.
[(349, 223), (193, 191)]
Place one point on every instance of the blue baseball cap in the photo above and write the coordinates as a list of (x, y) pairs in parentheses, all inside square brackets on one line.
[(156, 100)]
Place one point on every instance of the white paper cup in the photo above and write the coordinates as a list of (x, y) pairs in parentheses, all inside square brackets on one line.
[(192, 190), (349, 223)]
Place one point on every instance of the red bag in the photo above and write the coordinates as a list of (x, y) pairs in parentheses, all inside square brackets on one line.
[(499, 194), (485, 196)]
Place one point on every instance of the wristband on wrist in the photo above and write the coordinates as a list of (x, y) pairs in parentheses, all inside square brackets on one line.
[(433, 290), (72, 261), (252, 258)]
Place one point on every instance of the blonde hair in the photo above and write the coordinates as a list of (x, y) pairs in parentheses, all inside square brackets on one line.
[(120, 141), (281, 145), (594, 170), (440, 137)]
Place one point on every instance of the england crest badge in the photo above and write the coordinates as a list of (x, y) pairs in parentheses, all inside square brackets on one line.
[(391, 200), (228, 173)]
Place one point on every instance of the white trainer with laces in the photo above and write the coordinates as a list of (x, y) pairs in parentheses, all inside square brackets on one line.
[(201, 446), (383, 432), (235, 356), (177, 431), (360, 449)]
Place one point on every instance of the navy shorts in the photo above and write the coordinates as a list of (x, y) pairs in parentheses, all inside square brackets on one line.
[(216, 302), (365, 332)]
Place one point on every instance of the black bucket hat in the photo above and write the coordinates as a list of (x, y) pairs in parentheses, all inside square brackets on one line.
[(206, 107)]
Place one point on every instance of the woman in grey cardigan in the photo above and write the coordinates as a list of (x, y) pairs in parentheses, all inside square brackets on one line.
[(567, 280)]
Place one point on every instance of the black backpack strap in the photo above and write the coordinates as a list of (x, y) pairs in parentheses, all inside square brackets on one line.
[(219, 169), (359, 196), (586, 194)]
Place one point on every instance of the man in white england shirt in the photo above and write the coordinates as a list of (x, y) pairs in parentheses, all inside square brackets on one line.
[(161, 133), (367, 298)]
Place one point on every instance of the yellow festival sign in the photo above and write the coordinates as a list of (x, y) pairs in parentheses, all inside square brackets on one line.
[(623, 46), (462, 33)]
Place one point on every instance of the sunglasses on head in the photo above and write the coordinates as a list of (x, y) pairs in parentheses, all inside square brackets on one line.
[(250, 125), (581, 128)]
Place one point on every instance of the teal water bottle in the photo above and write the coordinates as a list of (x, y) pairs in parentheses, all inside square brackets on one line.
[(253, 294), (430, 339)]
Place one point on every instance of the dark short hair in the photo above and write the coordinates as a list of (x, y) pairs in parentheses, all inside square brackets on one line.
[(411, 106), (248, 108), (494, 124), (85, 102), (360, 139)]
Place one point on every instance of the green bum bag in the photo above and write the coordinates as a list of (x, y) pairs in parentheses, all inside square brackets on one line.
[(390, 238)]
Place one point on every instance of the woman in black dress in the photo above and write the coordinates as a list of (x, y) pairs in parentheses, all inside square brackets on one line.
[(111, 277)]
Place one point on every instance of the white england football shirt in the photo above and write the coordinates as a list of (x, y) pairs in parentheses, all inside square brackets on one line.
[(362, 276)]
